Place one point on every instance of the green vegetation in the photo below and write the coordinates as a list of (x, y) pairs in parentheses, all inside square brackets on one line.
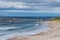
[(57, 19)]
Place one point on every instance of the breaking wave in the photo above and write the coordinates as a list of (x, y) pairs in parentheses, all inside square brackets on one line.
[(22, 30)]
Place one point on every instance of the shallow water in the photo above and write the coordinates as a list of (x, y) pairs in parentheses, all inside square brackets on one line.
[(24, 29)]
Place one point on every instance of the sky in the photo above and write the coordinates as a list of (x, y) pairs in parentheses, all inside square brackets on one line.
[(8, 7), (31, 5)]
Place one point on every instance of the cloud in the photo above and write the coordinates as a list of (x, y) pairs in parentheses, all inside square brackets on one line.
[(30, 0), (13, 4), (31, 5)]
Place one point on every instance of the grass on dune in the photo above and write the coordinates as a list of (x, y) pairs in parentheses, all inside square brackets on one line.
[(57, 20)]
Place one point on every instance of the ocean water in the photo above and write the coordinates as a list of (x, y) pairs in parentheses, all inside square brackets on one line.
[(23, 29), (29, 14)]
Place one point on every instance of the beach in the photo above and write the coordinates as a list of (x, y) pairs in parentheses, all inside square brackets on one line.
[(52, 34), (29, 19)]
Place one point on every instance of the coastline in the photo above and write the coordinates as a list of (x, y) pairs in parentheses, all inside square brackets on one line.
[(52, 34), (32, 30)]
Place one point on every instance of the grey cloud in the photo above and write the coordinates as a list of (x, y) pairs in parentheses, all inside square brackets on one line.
[(28, 1), (38, 5), (32, 1)]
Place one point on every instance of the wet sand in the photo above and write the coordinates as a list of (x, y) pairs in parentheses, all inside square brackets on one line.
[(52, 34)]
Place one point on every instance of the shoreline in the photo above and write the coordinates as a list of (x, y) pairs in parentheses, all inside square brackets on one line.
[(53, 34), (39, 28)]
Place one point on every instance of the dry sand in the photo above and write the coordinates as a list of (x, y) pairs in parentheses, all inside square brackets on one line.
[(52, 34)]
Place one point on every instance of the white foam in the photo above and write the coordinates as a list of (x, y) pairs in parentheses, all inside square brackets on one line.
[(6, 28), (5, 37), (37, 24)]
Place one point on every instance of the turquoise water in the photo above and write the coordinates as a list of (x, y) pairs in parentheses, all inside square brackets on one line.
[(23, 29)]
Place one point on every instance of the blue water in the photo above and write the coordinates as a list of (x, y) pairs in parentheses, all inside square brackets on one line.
[(23, 29), (29, 14)]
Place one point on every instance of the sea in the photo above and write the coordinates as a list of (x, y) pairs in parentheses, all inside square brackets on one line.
[(22, 29)]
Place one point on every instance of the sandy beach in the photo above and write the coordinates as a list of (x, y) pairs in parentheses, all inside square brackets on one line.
[(52, 34)]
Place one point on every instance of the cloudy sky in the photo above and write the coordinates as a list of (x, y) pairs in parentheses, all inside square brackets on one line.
[(31, 5)]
